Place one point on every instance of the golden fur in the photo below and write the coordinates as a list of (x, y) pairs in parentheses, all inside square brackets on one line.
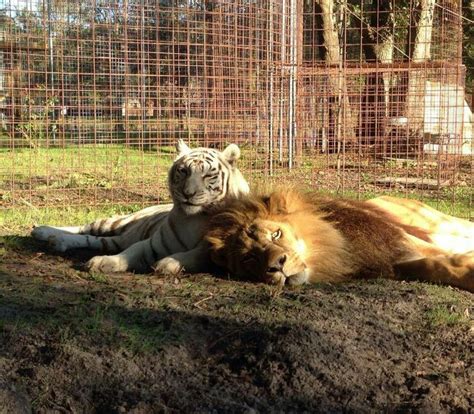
[(290, 238)]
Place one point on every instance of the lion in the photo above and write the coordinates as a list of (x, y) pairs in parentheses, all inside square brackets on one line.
[(290, 238)]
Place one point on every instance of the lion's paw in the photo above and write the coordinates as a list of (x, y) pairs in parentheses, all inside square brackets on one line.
[(168, 266), (462, 260), (107, 264)]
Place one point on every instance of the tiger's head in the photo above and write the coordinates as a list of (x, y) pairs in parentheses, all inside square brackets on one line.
[(201, 177)]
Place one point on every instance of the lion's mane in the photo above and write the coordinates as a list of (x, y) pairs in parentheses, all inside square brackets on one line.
[(344, 238)]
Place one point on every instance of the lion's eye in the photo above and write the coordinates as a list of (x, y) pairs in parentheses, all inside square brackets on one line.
[(276, 234)]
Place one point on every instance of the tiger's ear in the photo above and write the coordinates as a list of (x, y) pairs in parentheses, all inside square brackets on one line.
[(231, 153), (182, 148)]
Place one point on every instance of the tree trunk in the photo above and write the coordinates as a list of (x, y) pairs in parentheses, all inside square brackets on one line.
[(299, 62), (378, 40), (420, 52), (342, 116), (330, 37)]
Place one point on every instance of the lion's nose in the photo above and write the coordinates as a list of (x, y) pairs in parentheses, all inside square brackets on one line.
[(276, 264)]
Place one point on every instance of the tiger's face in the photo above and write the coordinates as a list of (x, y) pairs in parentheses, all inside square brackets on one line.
[(200, 177)]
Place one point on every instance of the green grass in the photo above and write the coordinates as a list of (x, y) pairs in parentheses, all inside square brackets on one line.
[(83, 166), (456, 202), (442, 315), (20, 221), (95, 175), (446, 308), (98, 277)]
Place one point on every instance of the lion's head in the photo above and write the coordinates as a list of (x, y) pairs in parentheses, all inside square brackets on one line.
[(277, 239)]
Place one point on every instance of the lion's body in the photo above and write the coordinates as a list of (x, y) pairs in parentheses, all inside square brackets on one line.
[(165, 237), (290, 238), (451, 234)]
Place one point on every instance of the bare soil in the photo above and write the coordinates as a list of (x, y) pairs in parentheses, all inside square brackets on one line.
[(90, 343)]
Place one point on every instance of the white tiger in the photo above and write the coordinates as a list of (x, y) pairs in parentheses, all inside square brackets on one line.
[(167, 238)]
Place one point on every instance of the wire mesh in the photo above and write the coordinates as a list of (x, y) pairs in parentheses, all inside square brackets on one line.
[(355, 97)]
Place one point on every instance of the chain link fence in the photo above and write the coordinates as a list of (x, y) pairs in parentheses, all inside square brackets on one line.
[(350, 97)]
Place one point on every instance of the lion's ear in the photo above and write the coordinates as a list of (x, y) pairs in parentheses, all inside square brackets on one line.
[(215, 242), (286, 202), (216, 247)]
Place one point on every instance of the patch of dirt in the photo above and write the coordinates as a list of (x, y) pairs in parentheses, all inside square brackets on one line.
[(77, 342)]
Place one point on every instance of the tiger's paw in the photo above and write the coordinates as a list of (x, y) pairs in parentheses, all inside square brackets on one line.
[(58, 243), (107, 264), (168, 266), (43, 232), (56, 240)]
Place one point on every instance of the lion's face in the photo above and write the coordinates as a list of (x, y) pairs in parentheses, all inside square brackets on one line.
[(265, 250)]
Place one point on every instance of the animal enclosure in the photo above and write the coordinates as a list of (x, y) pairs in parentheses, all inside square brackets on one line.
[(353, 97)]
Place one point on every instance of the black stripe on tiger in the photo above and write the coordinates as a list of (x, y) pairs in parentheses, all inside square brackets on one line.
[(223, 180), (153, 251), (148, 229), (209, 158), (101, 227), (116, 244), (123, 229), (115, 224), (176, 234), (163, 242)]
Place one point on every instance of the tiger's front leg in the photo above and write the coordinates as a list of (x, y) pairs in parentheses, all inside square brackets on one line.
[(192, 261), (138, 257)]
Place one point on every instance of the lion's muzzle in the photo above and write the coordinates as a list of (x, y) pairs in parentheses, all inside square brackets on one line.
[(276, 263), (280, 268)]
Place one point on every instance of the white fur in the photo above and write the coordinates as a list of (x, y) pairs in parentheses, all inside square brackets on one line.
[(62, 239), (176, 243)]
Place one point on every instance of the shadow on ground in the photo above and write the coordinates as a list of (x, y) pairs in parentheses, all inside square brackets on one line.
[(75, 342)]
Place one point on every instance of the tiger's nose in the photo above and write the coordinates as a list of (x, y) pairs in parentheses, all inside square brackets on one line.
[(276, 264), (189, 193)]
